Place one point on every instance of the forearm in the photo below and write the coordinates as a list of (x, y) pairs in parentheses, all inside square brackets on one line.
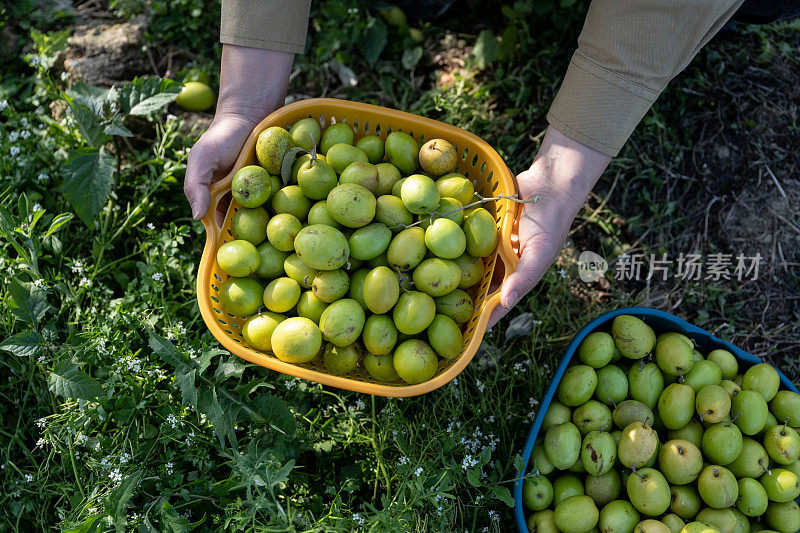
[(253, 82)]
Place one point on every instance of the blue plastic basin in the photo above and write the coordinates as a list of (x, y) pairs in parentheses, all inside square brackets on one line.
[(658, 320)]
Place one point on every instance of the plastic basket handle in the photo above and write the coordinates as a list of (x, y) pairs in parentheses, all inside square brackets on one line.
[(508, 252)]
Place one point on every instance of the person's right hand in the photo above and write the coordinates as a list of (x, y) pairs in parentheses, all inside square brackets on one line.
[(252, 85)]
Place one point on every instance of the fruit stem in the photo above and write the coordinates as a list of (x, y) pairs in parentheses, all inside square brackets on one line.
[(313, 151), (473, 204), (637, 473)]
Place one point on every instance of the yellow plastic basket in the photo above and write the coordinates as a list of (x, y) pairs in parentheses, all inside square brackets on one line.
[(478, 161)]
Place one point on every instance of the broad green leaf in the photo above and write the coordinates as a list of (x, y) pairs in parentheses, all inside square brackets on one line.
[(89, 124), (51, 42), (373, 41), (411, 57), (69, 381), (90, 525), (226, 369), (519, 464), (23, 344), (58, 222), (116, 127), (89, 96), (473, 478), (276, 411), (288, 161), (222, 417), (29, 302), (486, 49), (167, 351), (143, 96), (90, 176), (185, 372), (116, 504), (503, 494), (171, 522)]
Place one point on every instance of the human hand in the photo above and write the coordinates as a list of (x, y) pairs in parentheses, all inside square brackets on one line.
[(252, 85), (562, 175)]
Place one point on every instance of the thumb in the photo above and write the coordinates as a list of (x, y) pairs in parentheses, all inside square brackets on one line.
[(530, 269), (199, 172)]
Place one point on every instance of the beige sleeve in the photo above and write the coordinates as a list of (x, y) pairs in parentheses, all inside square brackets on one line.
[(268, 24), (627, 53)]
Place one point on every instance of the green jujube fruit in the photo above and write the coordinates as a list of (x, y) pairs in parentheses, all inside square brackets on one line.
[(472, 270), (457, 305), (316, 179), (380, 367), (592, 416), (250, 224), (402, 150), (763, 378), (351, 205), (361, 173), (576, 514), (456, 186), (389, 210), (356, 290), (612, 385), (373, 146), (413, 312), (540, 463), (291, 200), (388, 175), (632, 336), (271, 145), (444, 336), (480, 230), (296, 340), (251, 186), (717, 487), (330, 285), (783, 517), (646, 383), (562, 444), (340, 359), (752, 460), (381, 289), (674, 356), (407, 249), (281, 231), (196, 95), (749, 411), (446, 208), (239, 258), (419, 194), (318, 214), (339, 133), (629, 411), (577, 385), (676, 405), (597, 349), (322, 247), (341, 155), (281, 295), (752, 499), (726, 361), (445, 239), (598, 453), (397, 187), (297, 270), (379, 335), (537, 493), (781, 485), (604, 488), (370, 241), (257, 330), (618, 516), (240, 296), (648, 492), (342, 321), (305, 133), (702, 374), (415, 361), (310, 307), (638, 443), (436, 277), (437, 157), (785, 405)]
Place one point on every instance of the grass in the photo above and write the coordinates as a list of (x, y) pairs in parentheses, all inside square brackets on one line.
[(125, 414)]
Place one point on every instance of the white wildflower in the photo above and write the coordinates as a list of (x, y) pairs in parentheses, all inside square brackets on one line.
[(14, 151), (64, 76), (169, 467), (403, 460), (13, 136), (25, 134), (357, 518), (494, 515), (43, 177), (418, 471), (3, 104), (115, 476), (157, 276), (151, 226), (28, 477)]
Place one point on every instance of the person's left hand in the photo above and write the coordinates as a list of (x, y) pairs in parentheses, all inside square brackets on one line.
[(562, 175)]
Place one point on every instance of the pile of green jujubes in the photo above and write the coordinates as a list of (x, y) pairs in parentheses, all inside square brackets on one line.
[(648, 435), (372, 258)]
